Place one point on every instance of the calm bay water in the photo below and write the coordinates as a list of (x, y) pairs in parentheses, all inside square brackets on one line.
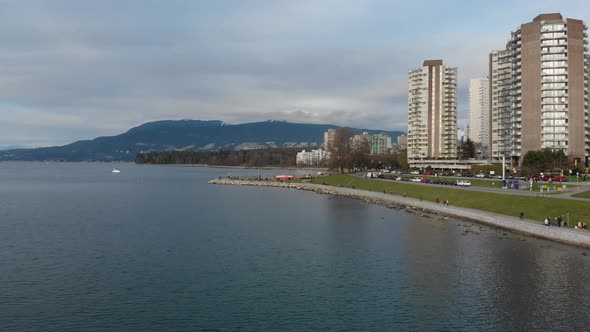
[(157, 248)]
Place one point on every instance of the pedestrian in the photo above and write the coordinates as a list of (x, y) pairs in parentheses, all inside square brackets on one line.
[(420, 198), (521, 216), (556, 221), (559, 221), (437, 200), (546, 221)]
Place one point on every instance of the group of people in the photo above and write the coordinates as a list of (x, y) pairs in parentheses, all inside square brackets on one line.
[(437, 200), (558, 222)]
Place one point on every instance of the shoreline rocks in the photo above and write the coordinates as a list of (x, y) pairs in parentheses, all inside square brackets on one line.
[(428, 209)]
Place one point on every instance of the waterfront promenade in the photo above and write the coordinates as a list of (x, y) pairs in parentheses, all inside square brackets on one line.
[(514, 224)]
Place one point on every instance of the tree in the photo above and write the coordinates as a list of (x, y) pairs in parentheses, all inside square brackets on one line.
[(467, 149), (339, 150), (537, 161), (360, 154)]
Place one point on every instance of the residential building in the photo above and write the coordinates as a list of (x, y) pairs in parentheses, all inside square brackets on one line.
[(432, 111), (380, 144), (359, 142), (310, 158), (329, 137), (402, 142), (478, 125), (501, 110), (539, 90)]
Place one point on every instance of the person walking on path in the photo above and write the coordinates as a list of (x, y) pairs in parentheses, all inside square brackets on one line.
[(437, 200), (546, 221), (521, 216)]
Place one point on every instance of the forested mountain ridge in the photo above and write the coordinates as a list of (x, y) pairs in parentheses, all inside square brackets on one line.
[(184, 135)]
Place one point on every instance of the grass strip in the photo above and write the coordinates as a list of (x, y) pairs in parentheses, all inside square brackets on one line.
[(534, 208)]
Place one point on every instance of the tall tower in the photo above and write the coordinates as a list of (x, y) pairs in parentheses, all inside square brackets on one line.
[(539, 90), (477, 129), (432, 111)]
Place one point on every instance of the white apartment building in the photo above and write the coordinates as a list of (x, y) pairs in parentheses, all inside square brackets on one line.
[(310, 158), (539, 90), (478, 125), (432, 111)]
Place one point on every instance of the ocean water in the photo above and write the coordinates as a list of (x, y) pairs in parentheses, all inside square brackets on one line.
[(155, 248)]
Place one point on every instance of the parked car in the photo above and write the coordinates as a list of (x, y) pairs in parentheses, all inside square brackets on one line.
[(480, 175), (416, 180), (463, 183), (414, 172)]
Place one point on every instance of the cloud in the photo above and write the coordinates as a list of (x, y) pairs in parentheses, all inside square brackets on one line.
[(75, 70)]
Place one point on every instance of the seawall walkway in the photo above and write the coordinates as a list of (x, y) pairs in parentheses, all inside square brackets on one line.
[(528, 227)]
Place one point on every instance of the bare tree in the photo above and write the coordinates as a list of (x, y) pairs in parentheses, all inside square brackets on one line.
[(339, 150)]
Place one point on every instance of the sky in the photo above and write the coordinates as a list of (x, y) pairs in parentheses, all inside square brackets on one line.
[(79, 69)]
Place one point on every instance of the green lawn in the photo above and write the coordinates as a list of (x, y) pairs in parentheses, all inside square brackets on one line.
[(534, 208), (583, 194)]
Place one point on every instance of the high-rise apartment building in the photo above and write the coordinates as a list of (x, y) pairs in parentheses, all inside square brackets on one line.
[(478, 125), (432, 111), (380, 144), (361, 142), (539, 90), (402, 142)]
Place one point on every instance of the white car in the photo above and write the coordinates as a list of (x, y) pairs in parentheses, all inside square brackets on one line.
[(463, 183), (416, 180), (414, 172), (480, 175)]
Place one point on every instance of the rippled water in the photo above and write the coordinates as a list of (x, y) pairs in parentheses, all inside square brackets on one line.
[(156, 248)]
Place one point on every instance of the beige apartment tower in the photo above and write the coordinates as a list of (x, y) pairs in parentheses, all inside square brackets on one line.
[(432, 111), (539, 90), (478, 124)]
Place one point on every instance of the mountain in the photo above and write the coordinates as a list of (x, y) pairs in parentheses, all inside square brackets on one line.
[(192, 135)]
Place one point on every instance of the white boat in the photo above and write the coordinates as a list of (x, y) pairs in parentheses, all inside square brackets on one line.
[(116, 170)]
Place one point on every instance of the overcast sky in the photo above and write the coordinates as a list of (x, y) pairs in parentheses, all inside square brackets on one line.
[(77, 69)]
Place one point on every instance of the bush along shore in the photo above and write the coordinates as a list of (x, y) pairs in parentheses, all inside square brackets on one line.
[(425, 208)]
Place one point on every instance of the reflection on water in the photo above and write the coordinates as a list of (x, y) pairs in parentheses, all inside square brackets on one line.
[(156, 248)]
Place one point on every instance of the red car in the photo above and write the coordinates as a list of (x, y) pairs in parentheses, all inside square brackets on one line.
[(554, 178)]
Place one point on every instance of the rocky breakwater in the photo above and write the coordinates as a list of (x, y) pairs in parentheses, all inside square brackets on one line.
[(387, 200), (429, 209)]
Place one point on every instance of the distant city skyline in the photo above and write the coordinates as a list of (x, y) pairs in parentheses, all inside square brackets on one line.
[(71, 70)]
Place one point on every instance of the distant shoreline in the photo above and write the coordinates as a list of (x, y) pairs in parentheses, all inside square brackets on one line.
[(568, 236)]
